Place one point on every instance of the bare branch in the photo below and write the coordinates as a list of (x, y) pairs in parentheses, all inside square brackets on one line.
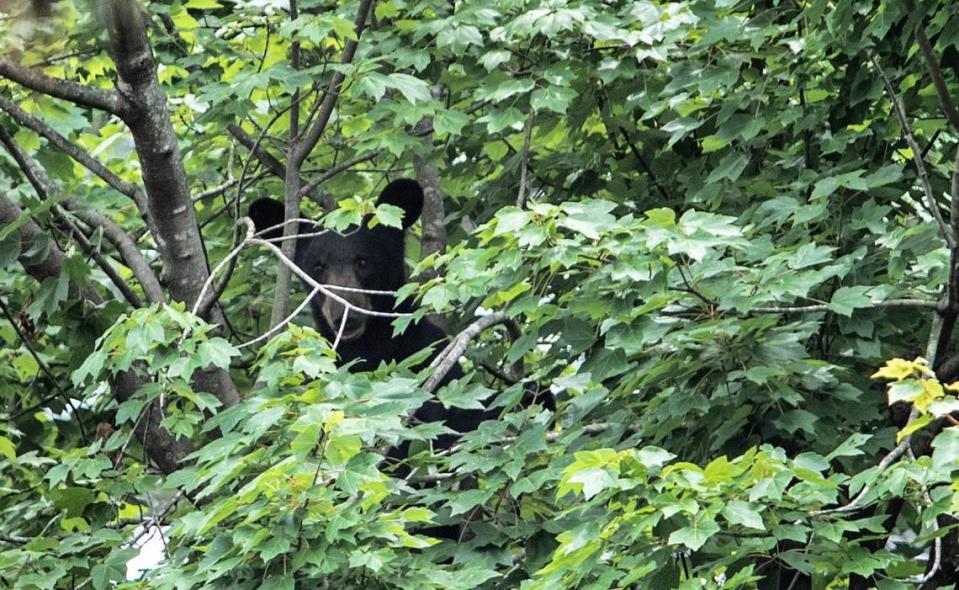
[(266, 158), (7, 313), (80, 94), (341, 167), (524, 160), (102, 262), (215, 191), (46, 188), (77, 153), (825, 308), (884, 463), (916, 152), (14, 539), (447, 358), (127, 248), (935, 72), (306, 145)]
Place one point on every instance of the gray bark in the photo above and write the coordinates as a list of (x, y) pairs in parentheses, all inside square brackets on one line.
[(168, 194)]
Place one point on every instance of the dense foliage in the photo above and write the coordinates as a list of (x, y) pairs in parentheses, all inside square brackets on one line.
[(706, 218)]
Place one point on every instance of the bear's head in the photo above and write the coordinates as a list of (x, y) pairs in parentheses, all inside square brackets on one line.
[(361, 258)]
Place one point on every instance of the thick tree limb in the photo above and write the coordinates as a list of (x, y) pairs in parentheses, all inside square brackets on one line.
[(46, 188), (162, 448), (80, 94), (77, 153), (168, 195), (52, 262), (125, 245)]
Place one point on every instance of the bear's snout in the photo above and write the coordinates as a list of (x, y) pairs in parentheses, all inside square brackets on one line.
[(333, 309)]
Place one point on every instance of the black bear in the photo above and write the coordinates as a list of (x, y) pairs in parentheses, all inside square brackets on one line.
[(370, 259)]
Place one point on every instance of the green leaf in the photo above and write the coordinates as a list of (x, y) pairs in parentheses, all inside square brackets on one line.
[(590, 218), (743, 513), (847, 299), (217, 352), (552, 98), (695, 535), (946, 449), (8, 449)]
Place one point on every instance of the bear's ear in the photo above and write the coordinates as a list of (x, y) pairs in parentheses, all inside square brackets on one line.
[(407, 194), (266, 213)]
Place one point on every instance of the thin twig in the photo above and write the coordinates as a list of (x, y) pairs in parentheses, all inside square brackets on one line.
[(216, 190), (44, 368), (935, 72), (524, 160), (309, 141), (334, 171), (916, 151), (274, 329), (884, 463)]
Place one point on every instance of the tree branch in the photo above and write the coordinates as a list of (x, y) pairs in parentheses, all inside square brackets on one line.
[(524, 160), (935, 72), (80, 94), (447, 358), (168, 195), (826, 308), (916, 151), (328, 174), (103, 263), (30, 233), (77, 153), (306, 145), (46, 188), (269, 161), (127, 248), (7, 313)]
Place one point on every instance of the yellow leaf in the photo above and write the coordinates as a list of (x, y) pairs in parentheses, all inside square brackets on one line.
[(897, 369), (332, 420)]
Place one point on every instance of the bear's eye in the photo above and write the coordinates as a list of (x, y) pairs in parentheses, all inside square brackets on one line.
[(361, 262)]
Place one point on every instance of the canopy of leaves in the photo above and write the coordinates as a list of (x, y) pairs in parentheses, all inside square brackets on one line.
[(722, 235)]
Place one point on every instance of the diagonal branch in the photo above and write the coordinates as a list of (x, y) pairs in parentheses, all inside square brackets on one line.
[(944, 231), (76, 152), (125, 245), (80, 94), (46, 188), (328, 174), (935, 72), (306, 145)]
